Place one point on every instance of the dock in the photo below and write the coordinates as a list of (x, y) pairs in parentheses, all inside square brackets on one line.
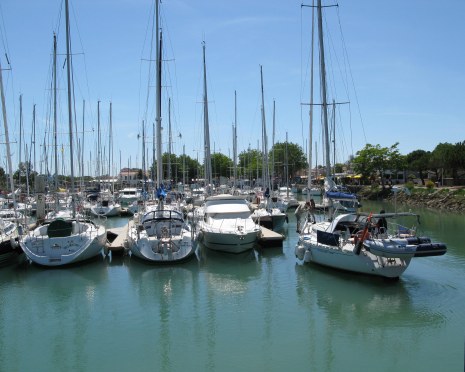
[(270, 238), (116, 238)]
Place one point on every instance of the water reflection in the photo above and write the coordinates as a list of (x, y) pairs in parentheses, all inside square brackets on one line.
[(347, 298), (62, 299), (368, 311), (228, 273)]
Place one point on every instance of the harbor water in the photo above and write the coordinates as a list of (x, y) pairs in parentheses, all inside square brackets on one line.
[(259, 311)]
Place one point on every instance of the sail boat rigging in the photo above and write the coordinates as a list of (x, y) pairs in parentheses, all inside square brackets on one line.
[(160, 235), (8, 229), (353, 242), (64, 241)]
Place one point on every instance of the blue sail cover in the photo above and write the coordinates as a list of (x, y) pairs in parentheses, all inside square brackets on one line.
[(161, 193), (340, 195)]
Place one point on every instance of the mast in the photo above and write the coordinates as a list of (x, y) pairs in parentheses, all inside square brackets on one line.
[(323, 89), (7, 140), (82, 151), (110, 147), (272, 152), (310, 130), (143, 158), (334, 137), (183, 165), (158, 97), (169, 140), (287, 169), (235, 140), (55, 140), (264, 137), (70, 112), (20, 134), (207, 160), (99, 156)]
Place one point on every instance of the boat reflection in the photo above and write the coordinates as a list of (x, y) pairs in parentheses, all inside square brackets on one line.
[(228, 273), (348, 299)]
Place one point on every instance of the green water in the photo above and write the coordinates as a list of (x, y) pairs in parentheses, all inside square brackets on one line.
[(260, 311)]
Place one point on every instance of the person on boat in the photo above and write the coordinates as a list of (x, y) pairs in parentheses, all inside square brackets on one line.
[(304, 211), (267, 192), (381, 224)]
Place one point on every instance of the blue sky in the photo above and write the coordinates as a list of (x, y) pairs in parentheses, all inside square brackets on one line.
[(405, 83)]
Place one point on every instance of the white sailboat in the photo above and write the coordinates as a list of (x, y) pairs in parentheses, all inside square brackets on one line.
[(267, 214), (106, 204), (352, 242), (160, 234), (64, 241), (8, 229)]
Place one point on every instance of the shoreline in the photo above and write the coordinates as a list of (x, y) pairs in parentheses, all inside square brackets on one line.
[(451, 199)]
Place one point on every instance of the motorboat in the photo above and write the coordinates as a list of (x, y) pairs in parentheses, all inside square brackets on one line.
[(286, 199), (106, 207), (225, 224), (128, 195)]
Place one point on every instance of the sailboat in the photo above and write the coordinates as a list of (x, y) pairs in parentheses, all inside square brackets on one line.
[(359, 242), (64, 241), (160, 234), (8, 229), (106, 205), (268, 215)]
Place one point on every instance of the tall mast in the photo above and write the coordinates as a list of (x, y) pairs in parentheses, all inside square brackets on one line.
[(20, 133), (110, 146), (143, 157), (310, 129), (264, 137), (7, 140), (83, 136), (323, 89), (99, 156), (207, 160), (235, 140), (272, 151), (158, 97), (70, 112), (55, 129), (169, 139)]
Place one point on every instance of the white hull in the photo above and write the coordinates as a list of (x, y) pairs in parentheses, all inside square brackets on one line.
[(226, 224), (59, 251), (354, 242), (110, 211), (160, 250), (273, 219), (229, 242), (346, 259), (161, 236)]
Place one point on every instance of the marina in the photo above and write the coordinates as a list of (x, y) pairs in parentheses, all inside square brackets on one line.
[(282, 311), (234, 214)]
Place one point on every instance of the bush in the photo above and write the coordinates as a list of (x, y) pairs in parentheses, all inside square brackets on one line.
[(429, 184), (409, 185)]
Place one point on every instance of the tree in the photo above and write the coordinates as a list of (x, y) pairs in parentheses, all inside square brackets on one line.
[(296, 159), (373, 161), (221, 165), (419, 161), (440, 159), (249, 162)]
